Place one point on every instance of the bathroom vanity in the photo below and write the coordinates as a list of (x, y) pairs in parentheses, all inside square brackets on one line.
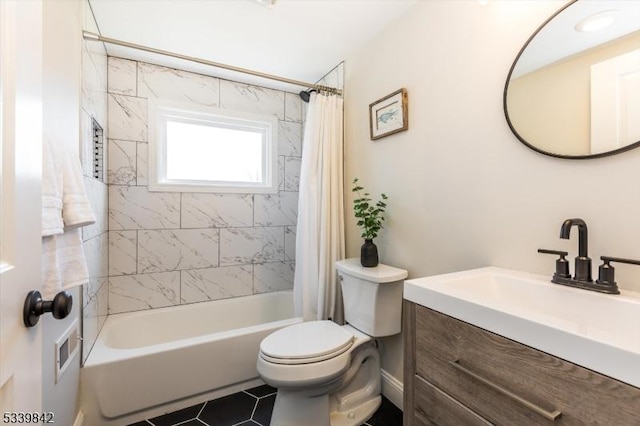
[(460, 369)]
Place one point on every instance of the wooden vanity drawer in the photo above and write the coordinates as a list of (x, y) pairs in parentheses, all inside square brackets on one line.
[(510, 384), (435, 408)]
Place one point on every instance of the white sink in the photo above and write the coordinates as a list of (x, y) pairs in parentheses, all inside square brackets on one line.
[(594, 330)]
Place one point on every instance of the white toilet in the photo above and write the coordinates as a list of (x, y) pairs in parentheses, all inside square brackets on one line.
[(329, 375)]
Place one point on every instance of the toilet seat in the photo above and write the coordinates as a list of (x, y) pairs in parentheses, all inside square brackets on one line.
[(306, 343)]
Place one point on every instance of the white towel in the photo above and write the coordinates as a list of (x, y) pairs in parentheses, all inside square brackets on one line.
[(63, 263), (52, 222), (65, 208), (76, 210)]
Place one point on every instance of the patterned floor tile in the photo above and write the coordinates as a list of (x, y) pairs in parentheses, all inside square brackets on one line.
[(229, 410), (261, 391), (264, 408), (252, 407)]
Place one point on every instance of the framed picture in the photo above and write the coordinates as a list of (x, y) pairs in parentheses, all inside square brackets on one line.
[(389, 115)]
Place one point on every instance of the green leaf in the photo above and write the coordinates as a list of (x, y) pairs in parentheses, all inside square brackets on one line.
[(370, 214)]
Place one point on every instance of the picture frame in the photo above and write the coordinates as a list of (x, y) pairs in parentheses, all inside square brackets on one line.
[(389, 115)]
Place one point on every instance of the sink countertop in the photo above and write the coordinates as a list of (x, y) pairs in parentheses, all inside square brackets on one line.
[(595, 330)]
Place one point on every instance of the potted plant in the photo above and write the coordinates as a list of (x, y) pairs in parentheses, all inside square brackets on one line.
[(370, 218)]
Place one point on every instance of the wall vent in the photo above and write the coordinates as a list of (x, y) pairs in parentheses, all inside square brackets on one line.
[(98, 150), (66, 349)]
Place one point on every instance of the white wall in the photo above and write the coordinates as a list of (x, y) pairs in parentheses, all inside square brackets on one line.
[(463, 191), (72, 95), (61, 103)]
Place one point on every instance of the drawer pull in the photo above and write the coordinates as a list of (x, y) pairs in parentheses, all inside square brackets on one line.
[(551, 415)]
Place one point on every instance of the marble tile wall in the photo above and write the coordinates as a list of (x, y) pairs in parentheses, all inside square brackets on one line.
[(170, 248), (95, 295)]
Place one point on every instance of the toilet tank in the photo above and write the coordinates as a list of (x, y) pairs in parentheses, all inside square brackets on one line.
[(372, 297)]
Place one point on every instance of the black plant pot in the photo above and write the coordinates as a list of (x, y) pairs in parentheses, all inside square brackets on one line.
[(369, 254)]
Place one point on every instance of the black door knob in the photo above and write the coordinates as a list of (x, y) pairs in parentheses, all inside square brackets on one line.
[(34, 306)]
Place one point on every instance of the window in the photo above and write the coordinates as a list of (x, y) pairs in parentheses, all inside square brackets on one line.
[(202, 149)]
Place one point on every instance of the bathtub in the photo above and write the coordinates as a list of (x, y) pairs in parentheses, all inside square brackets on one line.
[(160, 359)]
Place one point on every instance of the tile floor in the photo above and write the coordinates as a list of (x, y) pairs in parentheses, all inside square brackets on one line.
[(251, 408)]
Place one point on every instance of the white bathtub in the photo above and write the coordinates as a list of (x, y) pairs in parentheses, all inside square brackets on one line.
[(159, 357)]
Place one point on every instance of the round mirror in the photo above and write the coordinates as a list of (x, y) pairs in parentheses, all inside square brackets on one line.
[(574, 88)]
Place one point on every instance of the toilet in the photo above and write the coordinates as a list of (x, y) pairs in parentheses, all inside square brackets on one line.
[(327, 374)]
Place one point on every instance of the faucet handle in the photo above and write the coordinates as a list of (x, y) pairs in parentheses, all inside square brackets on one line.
[(562, 264), (558, 252), (606, 272), (608, 259)]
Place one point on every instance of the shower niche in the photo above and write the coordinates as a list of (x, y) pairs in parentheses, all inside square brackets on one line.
[(97, 133)]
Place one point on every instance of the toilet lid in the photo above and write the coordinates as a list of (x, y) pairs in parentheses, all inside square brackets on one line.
[(307, 340)]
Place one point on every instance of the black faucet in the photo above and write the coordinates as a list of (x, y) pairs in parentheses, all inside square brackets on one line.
[(583, 262), (582, 278)]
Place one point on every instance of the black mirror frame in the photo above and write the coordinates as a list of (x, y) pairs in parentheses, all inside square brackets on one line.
[(523, 140)]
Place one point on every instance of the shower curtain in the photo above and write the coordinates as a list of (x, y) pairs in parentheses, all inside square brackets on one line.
[(320, 229)]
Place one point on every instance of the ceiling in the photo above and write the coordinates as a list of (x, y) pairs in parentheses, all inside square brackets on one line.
[(545, 48), (297, 39)]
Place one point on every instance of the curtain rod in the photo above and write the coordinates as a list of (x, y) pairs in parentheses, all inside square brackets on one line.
[(97, 37)]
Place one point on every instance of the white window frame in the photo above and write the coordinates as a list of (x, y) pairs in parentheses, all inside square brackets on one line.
[(162, 111)]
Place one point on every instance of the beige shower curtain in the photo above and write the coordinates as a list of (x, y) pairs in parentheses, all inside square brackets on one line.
[(320, 228)]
